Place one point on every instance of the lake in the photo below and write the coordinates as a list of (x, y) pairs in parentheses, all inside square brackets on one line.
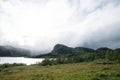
[(24, 60)]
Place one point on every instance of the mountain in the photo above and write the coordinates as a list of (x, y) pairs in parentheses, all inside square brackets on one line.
[(61, 49), (103, 50), (9, 51), (82, 50), (58, 50)]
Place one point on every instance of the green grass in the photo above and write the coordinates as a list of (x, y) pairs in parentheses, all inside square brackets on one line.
[(78, 71)]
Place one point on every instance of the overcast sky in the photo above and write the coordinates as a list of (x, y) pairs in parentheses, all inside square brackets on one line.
[(40, 24)]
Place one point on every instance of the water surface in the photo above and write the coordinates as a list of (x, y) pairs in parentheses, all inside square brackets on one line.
[(24, 60)]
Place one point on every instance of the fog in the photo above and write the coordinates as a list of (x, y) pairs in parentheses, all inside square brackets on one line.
[(40, 24)]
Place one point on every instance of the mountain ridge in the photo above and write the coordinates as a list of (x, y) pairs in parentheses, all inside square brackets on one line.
[(59, 49), (10, 51)]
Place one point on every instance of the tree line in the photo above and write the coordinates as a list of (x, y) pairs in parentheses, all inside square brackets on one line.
[(105, 55)]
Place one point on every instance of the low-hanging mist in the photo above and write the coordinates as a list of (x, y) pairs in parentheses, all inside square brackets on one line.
[(40, 24)]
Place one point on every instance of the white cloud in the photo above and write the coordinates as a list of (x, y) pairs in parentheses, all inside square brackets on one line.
[(40, 24)]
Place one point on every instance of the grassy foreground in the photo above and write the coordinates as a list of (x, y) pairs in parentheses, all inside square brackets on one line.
[(78, 71)]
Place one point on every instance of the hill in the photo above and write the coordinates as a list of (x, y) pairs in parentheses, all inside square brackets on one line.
[(9, 51), (60, 49)]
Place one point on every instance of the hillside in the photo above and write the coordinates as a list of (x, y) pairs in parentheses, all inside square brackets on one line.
[(9, 51), (60, 49)]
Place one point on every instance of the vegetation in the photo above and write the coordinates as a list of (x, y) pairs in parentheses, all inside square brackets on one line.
[(63, 55), (75, 71), (107, 56), (6, 65)]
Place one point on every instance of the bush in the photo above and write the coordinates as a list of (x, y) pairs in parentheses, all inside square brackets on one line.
[(6, 65), (48, 62)]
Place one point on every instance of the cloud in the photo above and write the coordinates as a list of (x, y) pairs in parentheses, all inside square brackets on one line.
[(40, 24)]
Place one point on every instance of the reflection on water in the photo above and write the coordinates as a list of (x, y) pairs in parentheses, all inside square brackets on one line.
[(27, 61)]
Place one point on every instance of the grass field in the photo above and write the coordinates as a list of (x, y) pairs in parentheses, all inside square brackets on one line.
[(78, 71)]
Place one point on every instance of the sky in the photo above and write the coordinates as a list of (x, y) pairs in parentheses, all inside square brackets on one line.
[(40, 24)]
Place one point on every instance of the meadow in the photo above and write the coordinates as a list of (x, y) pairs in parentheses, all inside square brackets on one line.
[(73, 71)]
